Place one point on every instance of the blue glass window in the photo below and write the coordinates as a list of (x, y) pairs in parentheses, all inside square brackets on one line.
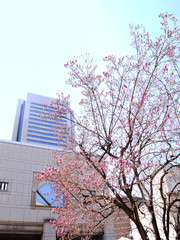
[(43, 133), (54, 122), (39, 128), (45, 197), (46, 138), (47, 143), (45, 109), (40, 124)]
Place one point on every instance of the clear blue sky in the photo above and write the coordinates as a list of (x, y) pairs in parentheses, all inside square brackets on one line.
[(38, 36)]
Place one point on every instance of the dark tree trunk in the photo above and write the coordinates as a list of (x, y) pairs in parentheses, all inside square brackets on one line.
[(142, 231)]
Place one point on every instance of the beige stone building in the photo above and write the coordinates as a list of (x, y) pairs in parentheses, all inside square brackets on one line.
[(21, 216), (24, 211)]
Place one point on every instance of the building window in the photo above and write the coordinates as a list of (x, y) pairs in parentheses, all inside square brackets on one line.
[(43, 194), (3, 186), (45, 197)]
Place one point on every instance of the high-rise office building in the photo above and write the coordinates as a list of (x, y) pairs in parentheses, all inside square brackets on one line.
[(29, 128)]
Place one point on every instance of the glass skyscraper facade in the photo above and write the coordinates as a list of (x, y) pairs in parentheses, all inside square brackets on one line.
[(28, 127)]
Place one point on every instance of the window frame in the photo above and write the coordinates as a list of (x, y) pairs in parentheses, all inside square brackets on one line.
[(36, 185), (6, 186)]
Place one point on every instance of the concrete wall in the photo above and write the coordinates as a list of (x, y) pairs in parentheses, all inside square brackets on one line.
[(18, 215), (18, 162)]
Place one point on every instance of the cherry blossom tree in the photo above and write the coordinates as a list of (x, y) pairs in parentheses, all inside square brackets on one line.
[(126, 140)]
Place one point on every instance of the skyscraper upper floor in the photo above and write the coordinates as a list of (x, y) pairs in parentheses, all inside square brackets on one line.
[(28, 127)]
